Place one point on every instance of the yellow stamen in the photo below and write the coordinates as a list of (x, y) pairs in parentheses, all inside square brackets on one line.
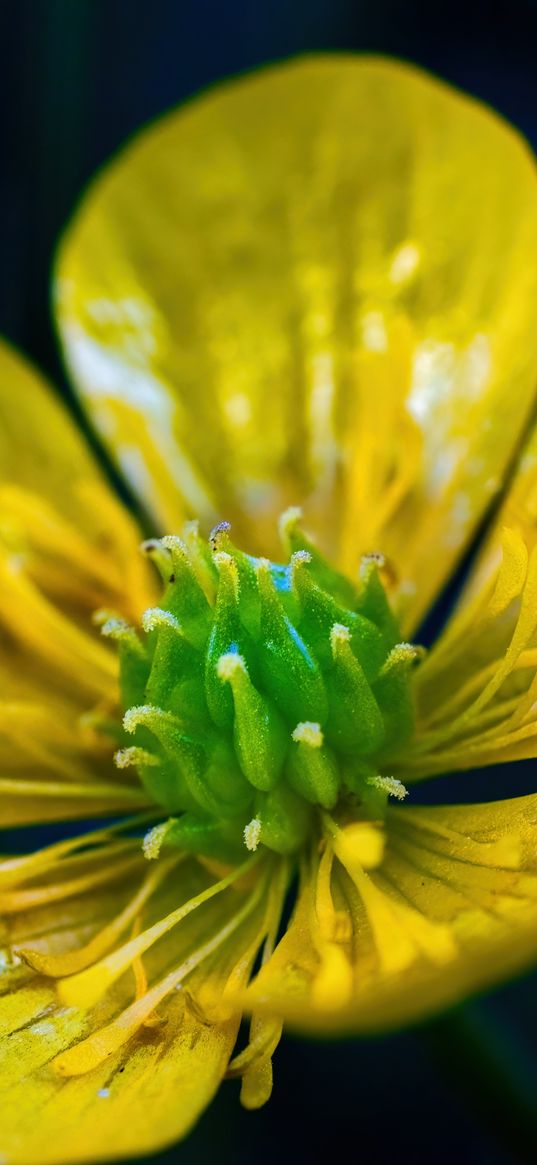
[(43, 629), (15, 901), (85, 989), (91, 1052), (58, 966), (330, 928)]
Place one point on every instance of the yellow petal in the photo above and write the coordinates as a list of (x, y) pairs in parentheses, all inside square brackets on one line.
[(136, 1101), (451, 910), (315, 286), (79, 1085)]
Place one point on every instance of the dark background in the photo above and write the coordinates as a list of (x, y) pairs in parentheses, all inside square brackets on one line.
[(76, 78)]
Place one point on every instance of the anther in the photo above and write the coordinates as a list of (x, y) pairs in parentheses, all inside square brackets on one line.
[(125, 757), (252, 834), (155, 838)]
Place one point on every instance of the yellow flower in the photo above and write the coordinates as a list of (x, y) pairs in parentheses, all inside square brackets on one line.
[(315, 287)]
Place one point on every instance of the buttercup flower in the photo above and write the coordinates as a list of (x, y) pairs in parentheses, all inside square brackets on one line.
[(301, 316)]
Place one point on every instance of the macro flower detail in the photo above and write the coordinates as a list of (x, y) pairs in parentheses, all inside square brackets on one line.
[(261, 692), (300, 315)]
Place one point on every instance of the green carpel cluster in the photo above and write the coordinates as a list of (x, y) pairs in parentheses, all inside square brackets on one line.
[(260, 693)]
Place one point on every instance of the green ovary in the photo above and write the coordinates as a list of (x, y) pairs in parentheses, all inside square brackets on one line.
[(261, 694)]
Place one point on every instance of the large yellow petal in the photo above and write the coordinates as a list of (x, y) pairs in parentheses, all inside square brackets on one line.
[(476, 692), (314, 286), (79, 1084), (451, 910)]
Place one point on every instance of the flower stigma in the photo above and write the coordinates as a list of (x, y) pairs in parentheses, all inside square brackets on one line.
[(262, 697)]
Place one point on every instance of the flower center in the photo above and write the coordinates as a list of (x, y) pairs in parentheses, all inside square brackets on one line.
[(262, 694)]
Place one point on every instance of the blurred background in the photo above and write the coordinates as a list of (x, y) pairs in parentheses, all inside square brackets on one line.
[(77, 78)]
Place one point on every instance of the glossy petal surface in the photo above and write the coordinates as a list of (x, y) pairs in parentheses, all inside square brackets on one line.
[(85, 1084), (451, 909), (315, 286)]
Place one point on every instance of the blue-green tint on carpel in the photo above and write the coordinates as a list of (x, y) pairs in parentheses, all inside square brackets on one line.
[(260, 692)]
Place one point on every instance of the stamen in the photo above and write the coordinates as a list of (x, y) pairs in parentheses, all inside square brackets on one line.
[(59, 966), (91, 1052), (19, 869), (41, 627), (333, 983), (254, 1063), (482, 717), (86, 989), (17, 901), (111, 796)]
